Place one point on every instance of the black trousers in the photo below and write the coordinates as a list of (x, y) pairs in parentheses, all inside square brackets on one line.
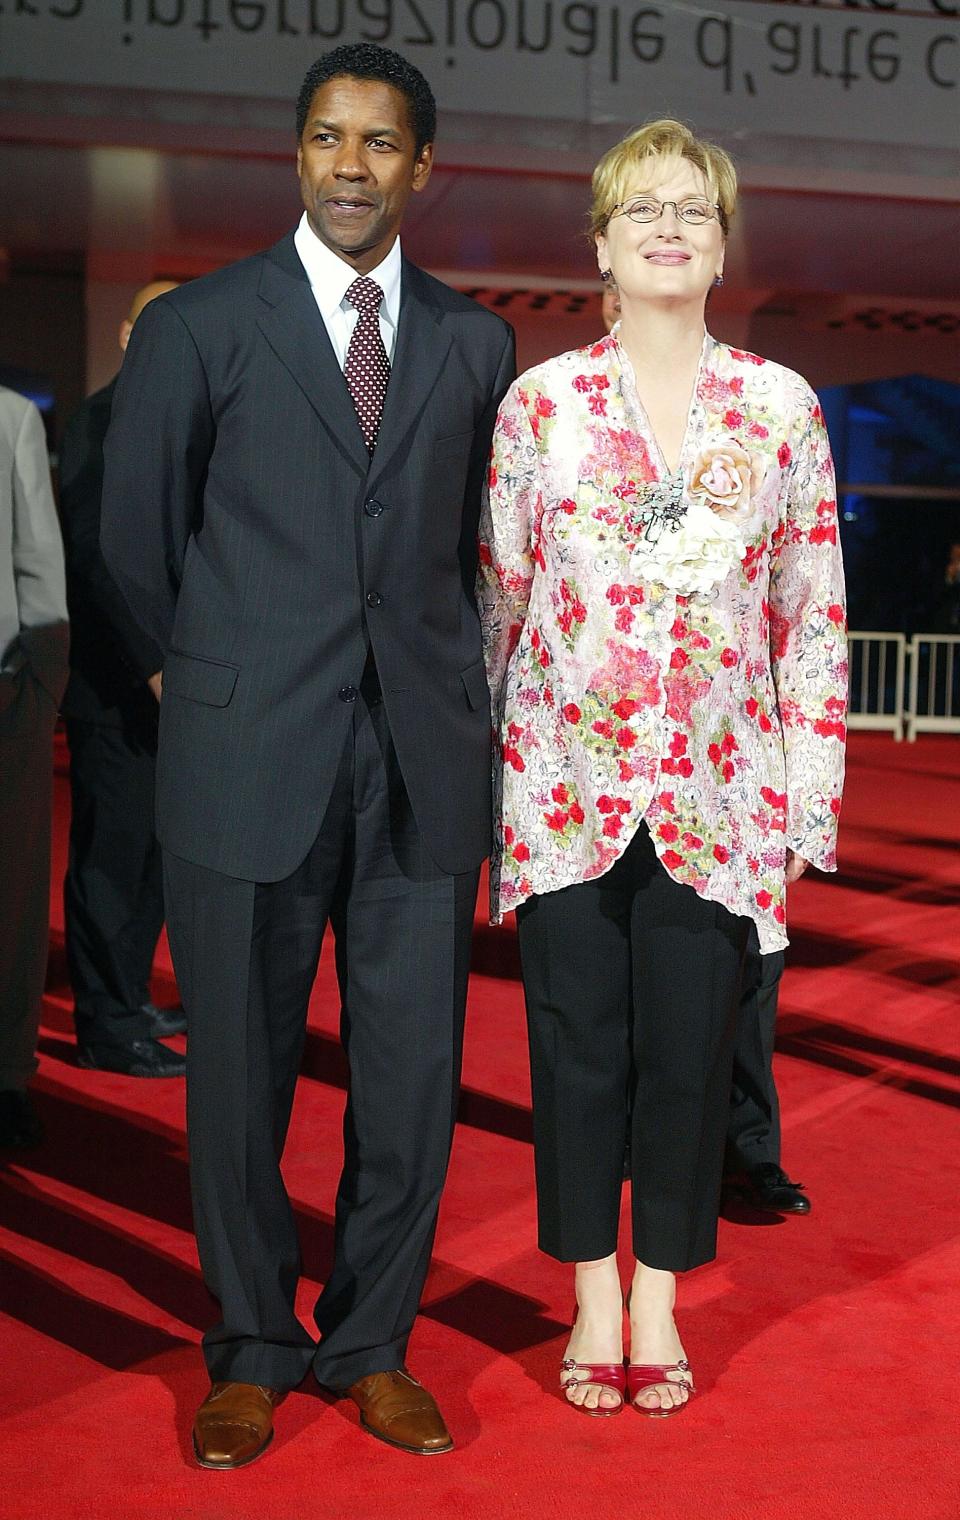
[(632, 984), (753, 1130), (246, 955), (113, 889)]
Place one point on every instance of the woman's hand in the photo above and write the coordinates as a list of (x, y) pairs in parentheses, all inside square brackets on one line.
[(796, 865)]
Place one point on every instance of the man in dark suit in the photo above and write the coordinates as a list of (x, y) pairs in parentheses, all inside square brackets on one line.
[(306, 434), (113, 890)]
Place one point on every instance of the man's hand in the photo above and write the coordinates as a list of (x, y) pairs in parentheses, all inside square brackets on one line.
[(155, 684), (796, 865)]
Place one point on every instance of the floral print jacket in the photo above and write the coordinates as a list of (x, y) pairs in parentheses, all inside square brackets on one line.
[(666, 648)]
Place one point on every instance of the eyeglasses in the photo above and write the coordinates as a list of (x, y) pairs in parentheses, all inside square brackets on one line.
[(694, 211)]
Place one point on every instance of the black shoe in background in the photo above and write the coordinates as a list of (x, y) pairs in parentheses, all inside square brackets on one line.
[(141, 1058), (20, 1127), (165, 1021), (768, 1187)]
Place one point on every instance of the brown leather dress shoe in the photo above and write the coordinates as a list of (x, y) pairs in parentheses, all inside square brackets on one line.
[(397, 1409), (234, 1424)]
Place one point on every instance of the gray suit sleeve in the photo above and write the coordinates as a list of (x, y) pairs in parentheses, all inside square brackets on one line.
[(38, 559)]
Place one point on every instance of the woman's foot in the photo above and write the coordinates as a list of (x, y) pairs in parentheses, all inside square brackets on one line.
[(654, 1341), (597, 1336)]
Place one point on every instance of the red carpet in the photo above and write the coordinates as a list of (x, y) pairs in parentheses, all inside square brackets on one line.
[(825, 1348)]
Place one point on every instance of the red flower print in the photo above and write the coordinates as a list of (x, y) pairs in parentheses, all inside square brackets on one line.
[(693, 841), (616, 595), (678, 745), (626, 738), (835, 614), (598, 406), (666, 801), (671, 859), (627, 771), (545, 407), (548, 695), (625, 708), (576, 813), (623, 622), (572, 713), (779, 914), (728, 658), (521, 852), (567, 506), (765, 724), (835, 806), (513, 757), (622, 804), (784, 455), (560, 793), (605, 804), (751, 707), (763, 898), (556, 821), (729, 771), (685, 766), (823, 533), (581, 383), (611, 827), (715, 753), (508, 835), (728, 743), (830, 730), (775, 799), (669, 833), (721, 853), (603, 728), (679, 659), (733, 418), (679, 629)]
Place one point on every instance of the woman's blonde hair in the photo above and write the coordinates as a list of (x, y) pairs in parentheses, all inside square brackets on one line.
[(616, 173)]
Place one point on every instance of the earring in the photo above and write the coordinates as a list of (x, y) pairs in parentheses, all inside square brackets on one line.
[(718, 279), (606, 275)]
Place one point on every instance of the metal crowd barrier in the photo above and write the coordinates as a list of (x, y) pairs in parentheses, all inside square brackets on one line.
[(933, 704), (877, 681), (905, 688)]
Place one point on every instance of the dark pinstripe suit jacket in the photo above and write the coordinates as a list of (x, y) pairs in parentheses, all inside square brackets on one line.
[(261, 547)]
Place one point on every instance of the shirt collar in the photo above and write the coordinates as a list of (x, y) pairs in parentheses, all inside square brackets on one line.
[(331, 277)]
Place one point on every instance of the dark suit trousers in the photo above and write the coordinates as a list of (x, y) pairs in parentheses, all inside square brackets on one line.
[(26, 785), (113, 889), (753, 1132), (632, 983), (246, 956)]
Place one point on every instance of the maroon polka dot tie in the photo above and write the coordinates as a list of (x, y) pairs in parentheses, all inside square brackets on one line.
[(367, 368)]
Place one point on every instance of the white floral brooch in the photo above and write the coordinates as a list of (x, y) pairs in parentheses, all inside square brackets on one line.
[(692, 534)]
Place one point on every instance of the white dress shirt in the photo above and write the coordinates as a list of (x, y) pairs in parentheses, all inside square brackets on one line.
[(331, 277)]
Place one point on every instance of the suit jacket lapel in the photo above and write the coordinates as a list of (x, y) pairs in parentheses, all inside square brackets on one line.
[(295, 330), (420, 354)]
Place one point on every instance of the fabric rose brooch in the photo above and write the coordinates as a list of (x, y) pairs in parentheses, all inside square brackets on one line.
[(726, 478), (693, 533)]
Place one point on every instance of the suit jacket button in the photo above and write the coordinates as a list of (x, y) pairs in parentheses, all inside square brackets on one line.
[(373, 508), (374, 599), (348, 694)]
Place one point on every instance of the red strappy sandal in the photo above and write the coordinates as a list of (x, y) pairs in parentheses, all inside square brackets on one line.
[(641, 1379), (610, 1375)]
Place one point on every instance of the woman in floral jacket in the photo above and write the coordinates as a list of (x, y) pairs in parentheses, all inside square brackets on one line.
[(662, 601)]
